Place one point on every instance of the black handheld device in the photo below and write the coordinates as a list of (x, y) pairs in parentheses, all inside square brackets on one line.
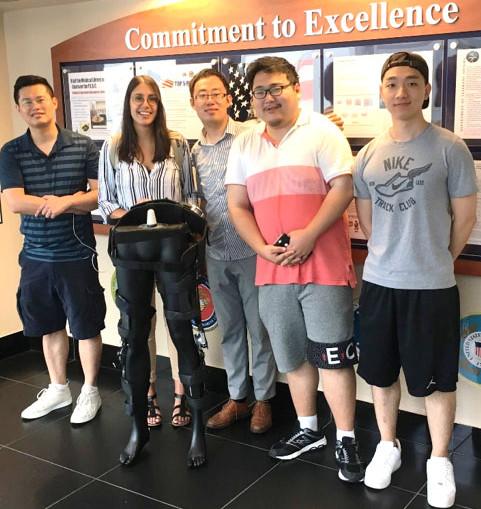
[(282, 241)]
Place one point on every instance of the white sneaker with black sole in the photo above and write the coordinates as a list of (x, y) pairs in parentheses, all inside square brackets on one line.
[(88, 404), (386, 460), (297, 443), (48, 399), (441, 485)]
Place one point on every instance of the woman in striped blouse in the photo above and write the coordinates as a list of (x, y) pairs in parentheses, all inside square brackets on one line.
[(147, 162)]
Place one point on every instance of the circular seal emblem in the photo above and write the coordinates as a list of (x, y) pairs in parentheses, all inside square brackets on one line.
[(470, 348), (207, 311), (472, 56)]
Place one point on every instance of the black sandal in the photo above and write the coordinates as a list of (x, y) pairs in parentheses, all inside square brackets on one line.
[(181, 410), (153, 411)]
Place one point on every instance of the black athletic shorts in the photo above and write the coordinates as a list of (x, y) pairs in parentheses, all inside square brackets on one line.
[(52, 293), (417, 330)]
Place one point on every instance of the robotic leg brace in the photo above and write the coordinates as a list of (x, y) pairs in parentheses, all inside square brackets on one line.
[(166, 252)]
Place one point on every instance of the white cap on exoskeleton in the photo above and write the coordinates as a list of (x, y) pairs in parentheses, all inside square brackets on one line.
[(151, 219)]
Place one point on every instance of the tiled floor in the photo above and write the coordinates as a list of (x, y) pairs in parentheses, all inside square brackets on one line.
[(47, 463)]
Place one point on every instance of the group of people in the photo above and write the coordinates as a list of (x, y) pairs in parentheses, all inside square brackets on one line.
[(277, 254)]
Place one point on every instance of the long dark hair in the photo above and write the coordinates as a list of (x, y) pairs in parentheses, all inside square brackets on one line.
[(129, 143)]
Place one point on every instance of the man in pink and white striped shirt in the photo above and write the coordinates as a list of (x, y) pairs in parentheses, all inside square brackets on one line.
[(289, 183)]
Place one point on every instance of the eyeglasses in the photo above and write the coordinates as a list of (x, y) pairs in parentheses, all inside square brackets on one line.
[(140, 99), (28, 103), (216, 96), (274, 91)]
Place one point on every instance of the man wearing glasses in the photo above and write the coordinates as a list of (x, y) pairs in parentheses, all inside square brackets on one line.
[(230, 263), (289, 183)]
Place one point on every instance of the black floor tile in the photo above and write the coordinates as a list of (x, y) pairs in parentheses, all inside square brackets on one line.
[(29, 483), (14, 397), (23, 366), (92, 448), (302, 485), (161, 471), (4, 382), (472, 445), (467, 471), (99, 495), (460, 434)]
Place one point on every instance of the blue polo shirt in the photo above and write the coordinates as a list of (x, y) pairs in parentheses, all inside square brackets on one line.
[(73, 160)]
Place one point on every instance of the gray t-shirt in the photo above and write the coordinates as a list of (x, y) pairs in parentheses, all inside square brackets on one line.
[(410, 185)]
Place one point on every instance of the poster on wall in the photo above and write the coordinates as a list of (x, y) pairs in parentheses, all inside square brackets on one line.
[(95, 99), (173, 77), (467, 112), (87, 103), (351, 81)]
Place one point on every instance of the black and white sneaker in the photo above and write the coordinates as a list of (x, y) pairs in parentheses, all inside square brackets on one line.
[(351, 467), (300, 441)]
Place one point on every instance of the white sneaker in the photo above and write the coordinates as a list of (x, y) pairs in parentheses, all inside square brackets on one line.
[(88, 404), (441, 485), (48, 399), (386, 460)]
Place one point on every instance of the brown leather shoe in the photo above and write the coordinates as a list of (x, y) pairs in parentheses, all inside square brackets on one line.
[(231, 412), (261, 420)]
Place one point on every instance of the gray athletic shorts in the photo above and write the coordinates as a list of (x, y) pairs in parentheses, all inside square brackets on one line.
[(309, 322)]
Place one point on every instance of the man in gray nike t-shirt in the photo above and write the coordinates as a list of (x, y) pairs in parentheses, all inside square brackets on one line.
[(416, 198)]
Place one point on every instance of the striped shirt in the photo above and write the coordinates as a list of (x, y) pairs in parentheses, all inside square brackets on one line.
[(127, 184), (286, 184), (72, 161), (210, 161)]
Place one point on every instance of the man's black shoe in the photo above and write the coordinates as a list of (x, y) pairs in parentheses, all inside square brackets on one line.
[(351, 467), (298, 442)]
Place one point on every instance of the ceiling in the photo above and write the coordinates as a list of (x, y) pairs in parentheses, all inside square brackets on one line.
[(10, 5)]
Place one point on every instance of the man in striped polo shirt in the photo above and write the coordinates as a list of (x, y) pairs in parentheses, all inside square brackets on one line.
[(49, 176), (289, 183), (230, 263)]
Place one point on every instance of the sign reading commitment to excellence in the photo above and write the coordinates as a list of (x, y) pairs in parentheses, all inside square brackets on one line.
[(377, 17), (203, 26)]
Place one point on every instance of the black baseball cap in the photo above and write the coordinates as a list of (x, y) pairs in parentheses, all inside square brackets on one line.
[(405, 58)]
